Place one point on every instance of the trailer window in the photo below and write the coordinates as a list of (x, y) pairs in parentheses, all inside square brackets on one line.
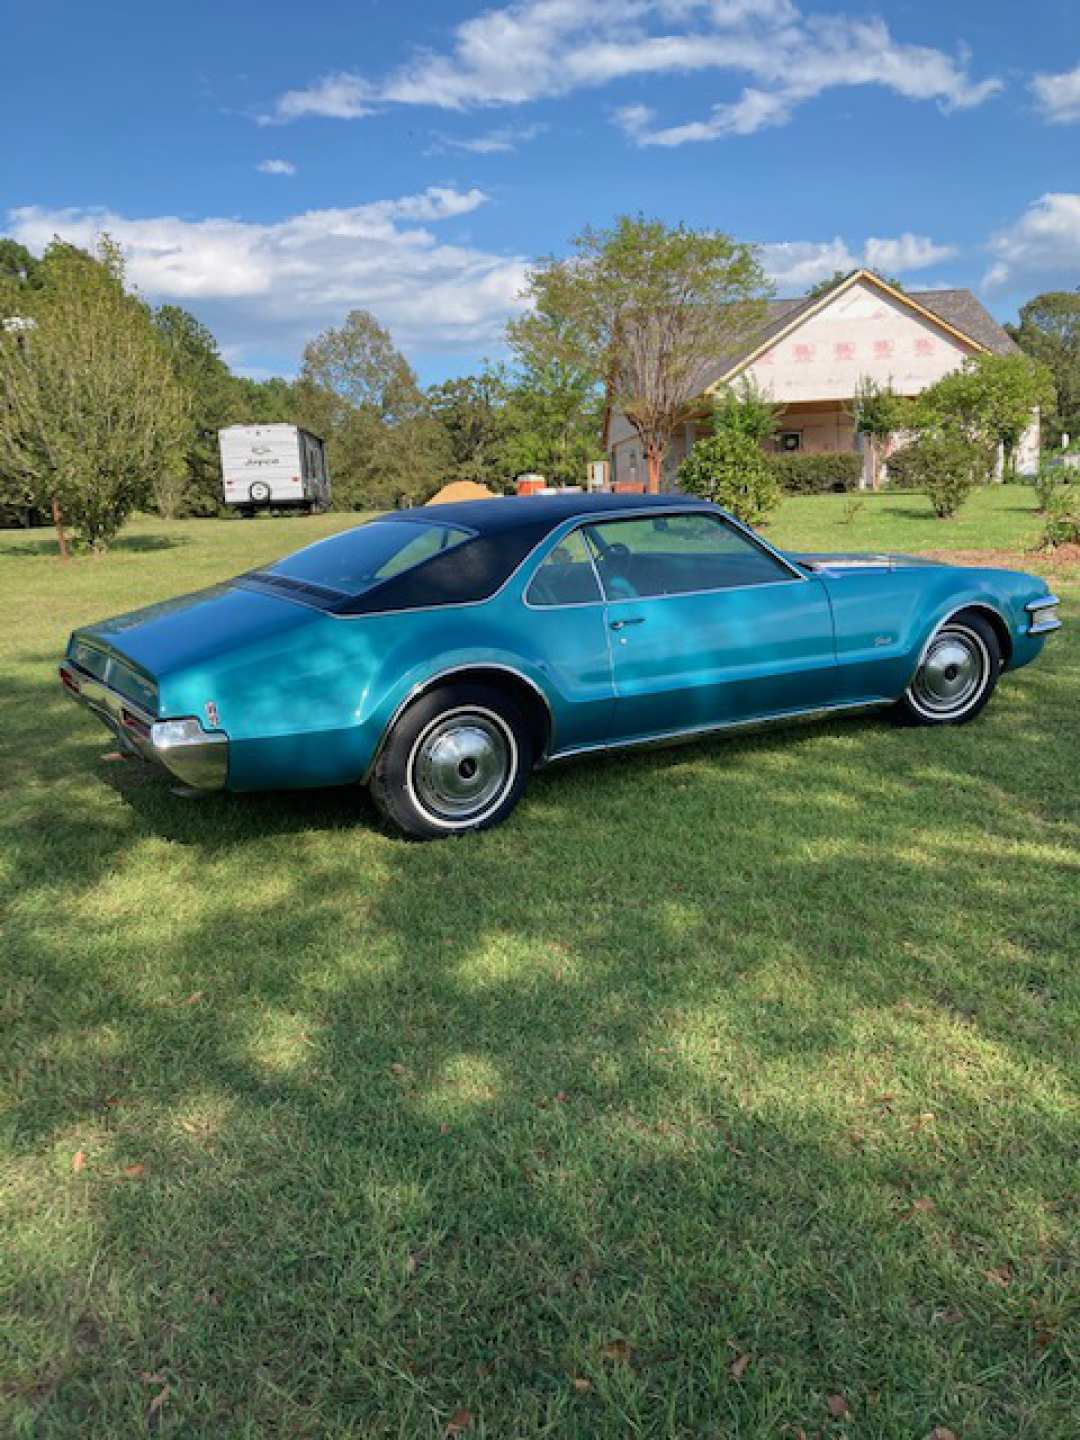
[(359, 559)]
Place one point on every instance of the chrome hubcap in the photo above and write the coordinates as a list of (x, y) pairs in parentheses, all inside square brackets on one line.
[(462, 766), (953, 672)]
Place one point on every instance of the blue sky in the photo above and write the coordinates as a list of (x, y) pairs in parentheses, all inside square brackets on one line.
[(272, 166)]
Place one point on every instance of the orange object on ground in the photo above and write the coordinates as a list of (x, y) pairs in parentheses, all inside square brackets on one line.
[(461, 490)]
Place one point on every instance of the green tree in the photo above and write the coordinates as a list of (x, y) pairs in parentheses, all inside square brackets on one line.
[(20, 276), (265, 402), (215, 402), (91, 413), (1049, 331), (877, 411), (745, 409), (358, 391), (991, 398), (552, 423), (472, 411), (822, 287), (643, 310)]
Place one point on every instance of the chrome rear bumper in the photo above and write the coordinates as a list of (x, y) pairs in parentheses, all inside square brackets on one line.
[(192, 755)]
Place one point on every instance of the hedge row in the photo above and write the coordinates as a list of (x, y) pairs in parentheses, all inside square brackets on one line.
[(817, 474)]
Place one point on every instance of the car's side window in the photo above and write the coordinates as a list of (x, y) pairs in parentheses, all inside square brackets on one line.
[(567, 576), (679, 554)]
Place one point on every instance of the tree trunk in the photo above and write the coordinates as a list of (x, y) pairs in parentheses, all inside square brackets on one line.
[(61, 538), (654, 460)]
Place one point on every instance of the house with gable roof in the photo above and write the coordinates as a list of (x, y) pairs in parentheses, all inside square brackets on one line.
[(809, 356)]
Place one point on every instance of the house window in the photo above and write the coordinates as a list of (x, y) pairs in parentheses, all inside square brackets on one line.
[(789, 440)]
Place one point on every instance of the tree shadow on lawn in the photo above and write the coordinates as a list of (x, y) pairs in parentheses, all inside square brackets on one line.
[(426, 1127), (135, 544)]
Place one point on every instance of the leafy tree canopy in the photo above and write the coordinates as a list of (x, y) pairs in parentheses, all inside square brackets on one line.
[(822, 287), (91, 415), (1049, 331), (644, 310)]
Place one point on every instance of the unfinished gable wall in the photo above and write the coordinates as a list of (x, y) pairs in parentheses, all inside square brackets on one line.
[(861, 332)]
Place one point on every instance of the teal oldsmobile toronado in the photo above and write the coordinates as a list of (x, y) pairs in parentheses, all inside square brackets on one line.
[(437, 655)]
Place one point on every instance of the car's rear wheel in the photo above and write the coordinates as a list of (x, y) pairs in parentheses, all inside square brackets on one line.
[(457, 760), (956, 675)]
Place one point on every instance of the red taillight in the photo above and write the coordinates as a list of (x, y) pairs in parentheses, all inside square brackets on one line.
[(68, 679), (132, 722)]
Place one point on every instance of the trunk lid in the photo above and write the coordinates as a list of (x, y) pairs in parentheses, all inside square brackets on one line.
[(131, 652)]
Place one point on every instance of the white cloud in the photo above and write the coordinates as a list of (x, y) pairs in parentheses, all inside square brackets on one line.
[(1042, 246), (276, 167), (1058, 96), (269, 287), (794, 265), (493, 142), (339, 97), (905, 252), (537, 49)]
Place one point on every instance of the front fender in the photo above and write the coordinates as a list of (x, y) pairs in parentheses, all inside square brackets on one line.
[(884, 619)]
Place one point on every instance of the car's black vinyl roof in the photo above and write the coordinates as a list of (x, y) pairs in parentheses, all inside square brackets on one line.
[(537, 513), (501, 535)]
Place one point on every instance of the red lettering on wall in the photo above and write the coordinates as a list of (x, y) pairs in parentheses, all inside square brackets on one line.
[(803, 354), (844, 350), (925, 346), (883, 349)]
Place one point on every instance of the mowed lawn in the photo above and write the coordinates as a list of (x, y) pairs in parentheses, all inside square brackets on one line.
[(727, 1091)]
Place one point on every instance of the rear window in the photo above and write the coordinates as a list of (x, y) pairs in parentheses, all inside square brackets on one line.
[(355, 562)]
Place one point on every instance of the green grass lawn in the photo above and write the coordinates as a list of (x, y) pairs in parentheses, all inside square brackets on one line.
[(723, 1089)]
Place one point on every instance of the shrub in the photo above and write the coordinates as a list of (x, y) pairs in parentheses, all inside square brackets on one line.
[(1050, 480), (945, 465), (730, 469), (898, 469), (817, 474), (746, 408), (1062, 525)]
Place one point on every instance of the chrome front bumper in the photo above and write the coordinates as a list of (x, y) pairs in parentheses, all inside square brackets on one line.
[(196, 757)]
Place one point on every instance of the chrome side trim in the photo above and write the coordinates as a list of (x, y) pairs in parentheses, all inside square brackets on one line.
[(698, 732), (422, 686), (1039, 626)]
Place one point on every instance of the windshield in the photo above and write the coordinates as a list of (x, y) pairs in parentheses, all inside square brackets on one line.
[(362, 558)]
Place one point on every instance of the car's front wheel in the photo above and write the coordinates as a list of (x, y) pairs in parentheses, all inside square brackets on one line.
[(957, 673), (457, 760)]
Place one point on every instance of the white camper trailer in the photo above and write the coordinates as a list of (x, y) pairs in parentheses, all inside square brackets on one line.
[(279, 466)]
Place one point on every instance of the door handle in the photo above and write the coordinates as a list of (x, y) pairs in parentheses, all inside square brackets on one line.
[(630, 620)]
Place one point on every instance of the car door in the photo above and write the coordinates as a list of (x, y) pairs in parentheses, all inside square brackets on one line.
[(570, 642), (708, 626)]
